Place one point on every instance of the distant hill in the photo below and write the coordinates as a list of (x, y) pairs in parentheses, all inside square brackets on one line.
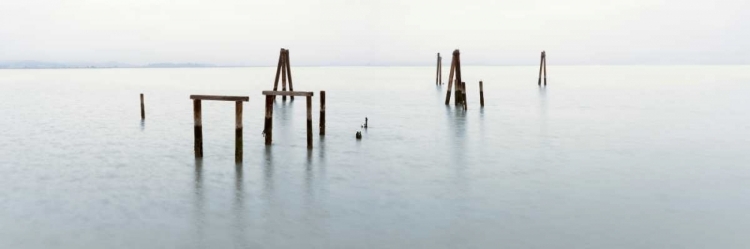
[(111, 64)]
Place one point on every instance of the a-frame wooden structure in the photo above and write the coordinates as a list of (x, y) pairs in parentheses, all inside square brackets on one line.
[(283, 70)]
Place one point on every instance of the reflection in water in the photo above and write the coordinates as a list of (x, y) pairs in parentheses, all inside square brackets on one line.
[(267, 171), (239, 210), (308, 174), (143, 125), (544, 142), (456, 119), (199, 199)]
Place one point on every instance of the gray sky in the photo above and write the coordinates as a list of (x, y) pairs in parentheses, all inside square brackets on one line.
[(386, 32)]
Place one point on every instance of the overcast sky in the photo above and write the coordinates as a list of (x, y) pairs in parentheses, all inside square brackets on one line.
[(372, 32)]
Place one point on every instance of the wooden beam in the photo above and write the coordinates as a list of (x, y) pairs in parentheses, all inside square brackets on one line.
[(220, 97), (288, 93)]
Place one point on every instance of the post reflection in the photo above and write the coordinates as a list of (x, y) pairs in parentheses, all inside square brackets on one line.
[(200, 213), (239, 208)]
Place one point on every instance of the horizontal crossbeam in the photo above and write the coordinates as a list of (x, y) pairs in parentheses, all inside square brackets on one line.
[(287, 93), (220, 97)]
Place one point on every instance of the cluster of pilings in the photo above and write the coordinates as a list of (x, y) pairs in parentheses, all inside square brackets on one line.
[(455, 83), (283, 70)]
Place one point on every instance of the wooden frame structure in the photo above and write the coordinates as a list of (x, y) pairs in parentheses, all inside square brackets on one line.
[(268, 126), (198, 129), (543, 65), (457, 85), (284, 70)]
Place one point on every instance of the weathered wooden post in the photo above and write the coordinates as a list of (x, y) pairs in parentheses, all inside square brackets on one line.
[(198, 128), (309, 122), (481, 94), (143, 109), (544, 55), (268, 127), (440, 70), (463, 92), (322, 122), (450, 81), (289, 72), (238, 132), (437, 69)]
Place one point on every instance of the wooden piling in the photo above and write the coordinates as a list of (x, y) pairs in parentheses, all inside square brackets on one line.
[(541, 64), (544, 58), (309, 122), (440, 70), (238, 131), (289, 71), (463, 92), (268, 127), (437, 71), (198, 129), (481, 94), (322, 122), (450, 81), (143, 109)]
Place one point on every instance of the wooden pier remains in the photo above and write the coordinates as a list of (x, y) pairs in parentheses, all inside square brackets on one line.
[(198, 128), (543, 66), (268, 127), (284, 70), (455, 84)]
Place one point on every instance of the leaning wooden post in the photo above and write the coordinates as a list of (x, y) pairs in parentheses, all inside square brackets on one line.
[(289, 72), (457, 56), (268, 127), (309, 122), (283, 74), (322, 122), (481, 94), (143, 109), (541, 64), (238, 131), (278, 70), (544, 58), (450, 81), (198, 129)]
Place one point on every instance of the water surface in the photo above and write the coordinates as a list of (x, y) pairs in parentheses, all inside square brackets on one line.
[(604, 157)]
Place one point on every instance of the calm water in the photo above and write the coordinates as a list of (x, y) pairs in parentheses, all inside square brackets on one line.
[(605, 157)]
